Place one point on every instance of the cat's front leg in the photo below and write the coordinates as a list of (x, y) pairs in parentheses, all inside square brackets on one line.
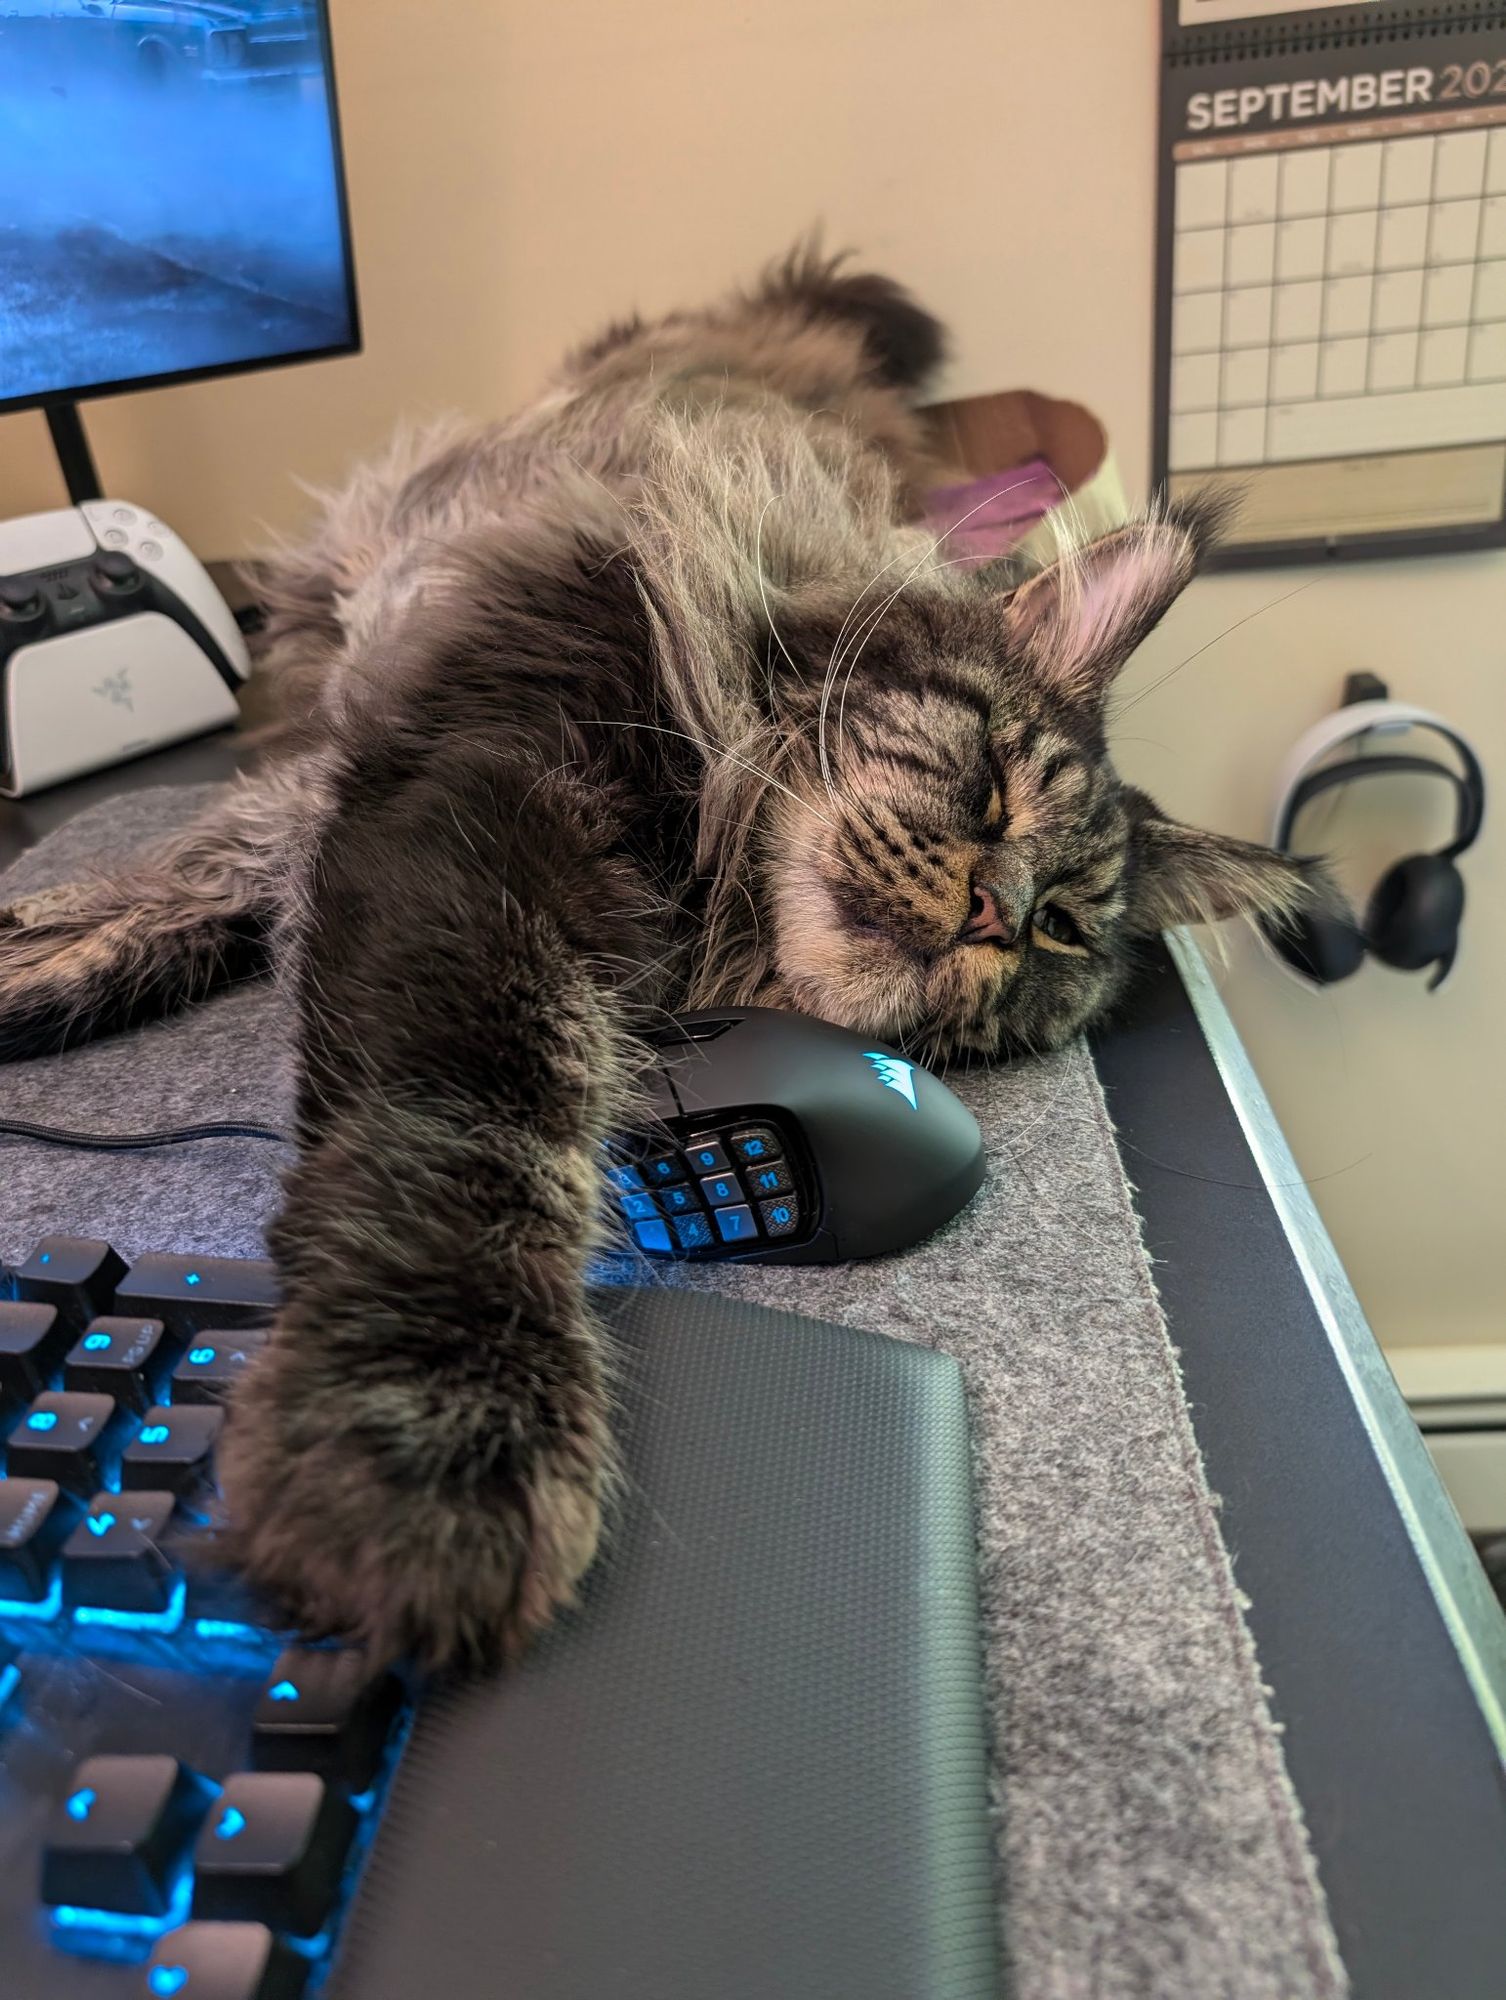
[(420, 1458)]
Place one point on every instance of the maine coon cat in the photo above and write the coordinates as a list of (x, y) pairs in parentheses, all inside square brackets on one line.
[(649, 696)]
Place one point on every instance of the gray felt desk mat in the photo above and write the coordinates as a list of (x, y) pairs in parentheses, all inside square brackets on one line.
[(1150, 1843)]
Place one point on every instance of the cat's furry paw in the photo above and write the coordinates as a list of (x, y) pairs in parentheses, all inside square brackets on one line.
[(405, 1546)]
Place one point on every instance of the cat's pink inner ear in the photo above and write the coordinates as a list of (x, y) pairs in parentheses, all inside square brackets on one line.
[(1079, 620)]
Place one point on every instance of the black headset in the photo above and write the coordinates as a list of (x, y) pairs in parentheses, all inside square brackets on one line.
[(1414, 912)]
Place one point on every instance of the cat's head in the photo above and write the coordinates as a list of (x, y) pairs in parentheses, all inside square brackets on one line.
[(964, 870)]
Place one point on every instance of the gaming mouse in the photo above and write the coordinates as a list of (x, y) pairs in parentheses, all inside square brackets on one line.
[(784, 1140)]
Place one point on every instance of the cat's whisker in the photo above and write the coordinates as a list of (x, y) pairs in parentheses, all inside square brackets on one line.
[(1259, 612)]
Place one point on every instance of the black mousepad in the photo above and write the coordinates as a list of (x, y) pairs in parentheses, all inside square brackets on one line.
[(751, 1765)]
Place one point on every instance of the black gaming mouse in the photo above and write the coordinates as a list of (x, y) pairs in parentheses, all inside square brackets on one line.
[(783, 1140)]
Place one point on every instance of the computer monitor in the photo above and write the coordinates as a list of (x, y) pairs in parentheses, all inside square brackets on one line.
[(174, 200)]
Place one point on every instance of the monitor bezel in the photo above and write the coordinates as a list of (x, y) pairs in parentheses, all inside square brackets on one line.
[(52, 399)]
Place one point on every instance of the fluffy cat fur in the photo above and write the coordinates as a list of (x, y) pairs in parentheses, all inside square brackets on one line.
[(648, 696)]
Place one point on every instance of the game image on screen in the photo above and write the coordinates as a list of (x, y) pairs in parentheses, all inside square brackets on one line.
[(171, 196)]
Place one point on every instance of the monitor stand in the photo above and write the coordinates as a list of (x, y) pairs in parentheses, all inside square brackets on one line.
[(71, 443)]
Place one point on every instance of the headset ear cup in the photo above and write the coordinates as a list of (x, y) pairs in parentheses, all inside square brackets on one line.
[(1322, 945), (1414, 913)]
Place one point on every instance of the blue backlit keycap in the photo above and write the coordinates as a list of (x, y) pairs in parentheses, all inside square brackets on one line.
[(719, 1189), (77, 1274), (192, 1292), (33, 1341), (653, 1235), (707, 1156), (63, 1437), (214, 1364), (736, 1224), (664, 1169), (772, 1179), (638, 1207), (755, 1143), (781, 1217), (678, 1200), (172, 1450), (324, 1710), (35, 1518), (117, 1836), (115, 1559), (123, 1358), (694, 1231), (223, 1962), (272, 1851), (626, 1180)]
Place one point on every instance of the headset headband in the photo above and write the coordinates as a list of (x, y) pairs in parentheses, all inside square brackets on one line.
[(1294, 789)]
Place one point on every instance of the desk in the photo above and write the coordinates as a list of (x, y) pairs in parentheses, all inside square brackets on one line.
[(1376, 1630)]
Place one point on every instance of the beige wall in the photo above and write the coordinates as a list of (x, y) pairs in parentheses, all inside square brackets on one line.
[(520, 171)]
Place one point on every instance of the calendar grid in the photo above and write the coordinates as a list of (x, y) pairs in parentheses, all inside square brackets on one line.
[(1339, 299)]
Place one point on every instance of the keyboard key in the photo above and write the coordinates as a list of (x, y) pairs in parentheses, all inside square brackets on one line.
[(737, 1224), (780, 1217), (653, 1236), (116, 1840), (638, 1207), (123, 1358), (35, 1519), (223, 1962), (193, 1292), (64, 1437), (77, 1274), (694, 1231), (114, 1559), (33, 1341), (272, 1851), (679, 1200), (755, 1143), (772, 1179), (626, 1180), (325, 1711), (664, 1169), (172, 1450), (719, 1189), (707, 1155), (213, 1365)]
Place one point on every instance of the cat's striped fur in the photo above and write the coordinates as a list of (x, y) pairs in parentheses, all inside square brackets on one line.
[(650, 695)]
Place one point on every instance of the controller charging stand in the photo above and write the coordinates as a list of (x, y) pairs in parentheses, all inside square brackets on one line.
[(113, 642)]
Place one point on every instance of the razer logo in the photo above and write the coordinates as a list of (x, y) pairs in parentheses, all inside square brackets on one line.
[(897, 1075), (117, 688)]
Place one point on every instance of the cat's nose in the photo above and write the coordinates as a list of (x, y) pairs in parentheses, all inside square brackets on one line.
[(988, 918)]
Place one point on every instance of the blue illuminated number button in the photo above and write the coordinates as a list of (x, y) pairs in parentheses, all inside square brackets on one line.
[(781, 1217), (736, 1224), (123, 1358), (694, 1231), (653, 1236), (117, 1839), (638, 1207), (325, 1711), (756, 1143), (664, 1169), (678, 1200), (281, 1863), (214, 1364), (707, 1156), (224, 1962), (719, 1189), (171, 1452), (65, 1437), (626, 1180), (772, 1179)]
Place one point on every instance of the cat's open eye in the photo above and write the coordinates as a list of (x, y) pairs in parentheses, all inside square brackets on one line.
[(1052, 921)]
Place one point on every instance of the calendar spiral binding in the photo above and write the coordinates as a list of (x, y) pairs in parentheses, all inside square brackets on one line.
[(1307, 34)]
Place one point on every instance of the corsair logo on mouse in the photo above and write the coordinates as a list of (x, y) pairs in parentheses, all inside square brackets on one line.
[(897, 1075)]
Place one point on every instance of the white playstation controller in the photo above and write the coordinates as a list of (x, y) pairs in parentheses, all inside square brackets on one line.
[(113, 642)]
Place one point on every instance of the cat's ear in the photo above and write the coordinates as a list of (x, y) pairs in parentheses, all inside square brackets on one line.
[(1077, 621), (1184, 875)]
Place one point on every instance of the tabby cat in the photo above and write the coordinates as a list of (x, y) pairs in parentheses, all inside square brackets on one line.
[(649, 696)]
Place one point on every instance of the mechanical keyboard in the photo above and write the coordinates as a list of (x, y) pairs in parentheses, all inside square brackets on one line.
[(192, 1794), (750, 1763)]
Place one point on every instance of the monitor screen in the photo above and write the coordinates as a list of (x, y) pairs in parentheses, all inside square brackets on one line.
[(173, 200)]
